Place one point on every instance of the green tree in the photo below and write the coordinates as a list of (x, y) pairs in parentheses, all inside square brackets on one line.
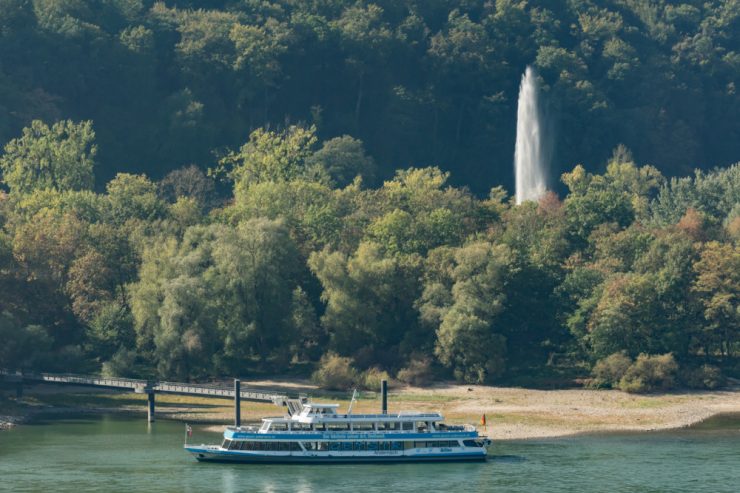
[(60, 157), (469, 338), (369, 300), (344, 158), (717, 285)]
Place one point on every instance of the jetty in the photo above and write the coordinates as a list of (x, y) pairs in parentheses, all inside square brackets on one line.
[(18, 379)]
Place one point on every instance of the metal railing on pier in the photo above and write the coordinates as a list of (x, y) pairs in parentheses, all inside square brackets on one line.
[(146, 386)]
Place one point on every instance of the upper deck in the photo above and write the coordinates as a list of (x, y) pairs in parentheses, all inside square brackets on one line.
[(323, 418)]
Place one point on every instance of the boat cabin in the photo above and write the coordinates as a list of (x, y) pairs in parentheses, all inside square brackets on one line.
[(324, 417)]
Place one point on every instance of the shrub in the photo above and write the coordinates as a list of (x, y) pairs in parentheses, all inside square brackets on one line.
[(121, 364), (703, 377), (335, 372), (610, 370), (372, 377), (648, 373), (418, 372)]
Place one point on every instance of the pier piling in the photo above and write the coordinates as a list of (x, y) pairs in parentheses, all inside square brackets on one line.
[(384, 396), (237, 403), (150, 407)]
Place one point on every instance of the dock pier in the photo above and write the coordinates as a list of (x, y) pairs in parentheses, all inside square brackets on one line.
[(149, 387)]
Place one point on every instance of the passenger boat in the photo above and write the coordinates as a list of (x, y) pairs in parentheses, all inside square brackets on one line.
[(316, 433)]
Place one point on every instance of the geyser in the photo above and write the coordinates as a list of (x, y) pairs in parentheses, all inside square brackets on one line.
[(531, 155)]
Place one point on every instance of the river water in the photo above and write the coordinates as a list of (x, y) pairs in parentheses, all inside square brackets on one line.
[(114, 453)]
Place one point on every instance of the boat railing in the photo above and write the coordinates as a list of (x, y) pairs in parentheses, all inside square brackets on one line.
[(465, 427)]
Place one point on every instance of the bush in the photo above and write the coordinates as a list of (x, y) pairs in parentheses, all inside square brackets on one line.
[(372, 377), (703, 377), (335, 372), (649, 373), (122, 364), (418, 372), (610, 370)]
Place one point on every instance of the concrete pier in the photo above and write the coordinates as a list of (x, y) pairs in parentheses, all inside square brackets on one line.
[(384, 396), (17, 380), (237, 403), (150, 406)]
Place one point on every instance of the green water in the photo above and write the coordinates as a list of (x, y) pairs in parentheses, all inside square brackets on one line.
[(111, 453)]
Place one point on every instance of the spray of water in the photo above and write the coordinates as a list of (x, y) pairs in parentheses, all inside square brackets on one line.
[(532, 154)]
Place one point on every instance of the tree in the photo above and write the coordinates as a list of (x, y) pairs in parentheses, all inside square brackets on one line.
[(60, 157), (717, 285), (189, 182), (344, 158), (133, 197), (469, 338), (216, 299), (23, 347), (369, 300), (270, 156)]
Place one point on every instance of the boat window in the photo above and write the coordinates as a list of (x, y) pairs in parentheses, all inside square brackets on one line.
[(421, 426), (310, 445), (320, 427), (408, 445), (407, 425), (472, 443), (396, 445), (362, 426), (279, 427), (300, 426), (361, 446), (389, 426), (323, 445), (337, 426), (226, 443)]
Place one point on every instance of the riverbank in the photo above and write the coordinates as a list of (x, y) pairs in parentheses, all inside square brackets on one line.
[(511, 413)]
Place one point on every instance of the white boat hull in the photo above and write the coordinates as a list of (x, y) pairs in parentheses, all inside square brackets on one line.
[(216, 454)]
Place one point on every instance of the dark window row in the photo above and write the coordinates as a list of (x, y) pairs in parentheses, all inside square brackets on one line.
[(436, 444), (372, 446), (263, 446)]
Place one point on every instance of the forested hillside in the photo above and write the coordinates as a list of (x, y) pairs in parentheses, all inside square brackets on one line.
[(415, 277), (198, 189), (420, 82)]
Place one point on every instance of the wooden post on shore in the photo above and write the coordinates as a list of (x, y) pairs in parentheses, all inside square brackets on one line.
[(237, 403), (150, 407)]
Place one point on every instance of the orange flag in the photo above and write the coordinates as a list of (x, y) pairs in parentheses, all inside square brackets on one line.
[(483, 420)]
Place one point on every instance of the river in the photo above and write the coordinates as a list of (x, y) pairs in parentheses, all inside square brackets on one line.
[(114, 453)]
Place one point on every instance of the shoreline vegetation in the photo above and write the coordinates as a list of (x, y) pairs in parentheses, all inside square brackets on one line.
[(511, 413)]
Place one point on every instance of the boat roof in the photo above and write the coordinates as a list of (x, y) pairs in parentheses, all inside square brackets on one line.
[(339, 418), (320, 405)]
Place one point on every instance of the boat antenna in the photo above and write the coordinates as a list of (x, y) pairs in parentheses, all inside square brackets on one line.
[(351, 402)]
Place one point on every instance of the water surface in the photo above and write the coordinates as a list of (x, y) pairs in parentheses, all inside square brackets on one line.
[(114, 453)]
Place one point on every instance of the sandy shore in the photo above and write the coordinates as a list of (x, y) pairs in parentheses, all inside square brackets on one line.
[(511, 413), (514, 413)]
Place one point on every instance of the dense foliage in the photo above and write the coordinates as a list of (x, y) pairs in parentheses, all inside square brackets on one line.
[(420, 82), (630, 272)]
